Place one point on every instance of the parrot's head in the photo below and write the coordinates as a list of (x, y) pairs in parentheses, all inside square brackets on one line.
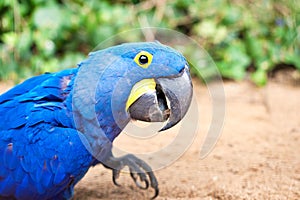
[(144, 81), (163, 87)]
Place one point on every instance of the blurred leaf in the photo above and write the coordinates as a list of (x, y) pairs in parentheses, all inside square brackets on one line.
[(259, 77), (71, 60), (38, 35), (206, 29), (234, 62), (49, 17), (10, 39), (254, 47), (232, 15), (293, 59)]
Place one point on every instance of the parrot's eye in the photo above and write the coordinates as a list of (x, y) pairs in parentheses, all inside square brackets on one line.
[(143, 59)]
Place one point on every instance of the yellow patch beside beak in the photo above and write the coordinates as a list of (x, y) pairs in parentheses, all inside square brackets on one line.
[(140, 88)]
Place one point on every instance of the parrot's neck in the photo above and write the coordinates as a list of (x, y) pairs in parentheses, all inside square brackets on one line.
[(98, 106), (111, 97)]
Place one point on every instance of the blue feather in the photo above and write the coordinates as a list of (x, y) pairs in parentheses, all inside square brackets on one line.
[(18, 174), (23, 88), (60, 175), (46, 176), (8, 186), (10, 159), (48, 133), (23, 191)]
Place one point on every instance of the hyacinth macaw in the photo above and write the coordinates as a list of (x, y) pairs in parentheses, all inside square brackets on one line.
[(55, 126)]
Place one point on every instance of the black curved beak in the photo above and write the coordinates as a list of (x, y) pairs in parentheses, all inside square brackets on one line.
[(169, 101)]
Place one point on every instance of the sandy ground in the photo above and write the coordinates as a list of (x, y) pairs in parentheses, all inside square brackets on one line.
[(256, 157)]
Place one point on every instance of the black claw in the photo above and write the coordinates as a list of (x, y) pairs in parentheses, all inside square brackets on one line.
[(143, 187), (156, 193), (143, 179), (115, 176), (116, 183), (133, 176), (138, 170)]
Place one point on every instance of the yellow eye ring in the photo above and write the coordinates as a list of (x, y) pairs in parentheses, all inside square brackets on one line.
[(143, 59)]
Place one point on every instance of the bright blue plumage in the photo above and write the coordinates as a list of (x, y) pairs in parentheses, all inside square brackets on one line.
[(38, 140), (43, 152)]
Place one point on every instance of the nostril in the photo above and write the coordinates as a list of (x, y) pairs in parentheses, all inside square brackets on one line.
[(186, 67)]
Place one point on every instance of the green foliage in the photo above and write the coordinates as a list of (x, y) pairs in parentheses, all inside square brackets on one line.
[(38, 35), (243, 34)]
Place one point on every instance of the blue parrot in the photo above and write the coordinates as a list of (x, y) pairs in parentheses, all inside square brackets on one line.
[(55, 126)]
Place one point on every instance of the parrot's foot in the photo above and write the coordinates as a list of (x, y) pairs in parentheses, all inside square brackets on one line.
[(138, 169)]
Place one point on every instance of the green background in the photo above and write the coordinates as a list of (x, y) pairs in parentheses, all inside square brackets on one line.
[(244, 37)]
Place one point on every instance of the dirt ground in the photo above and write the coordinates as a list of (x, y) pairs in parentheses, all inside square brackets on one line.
[(256, 157)]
